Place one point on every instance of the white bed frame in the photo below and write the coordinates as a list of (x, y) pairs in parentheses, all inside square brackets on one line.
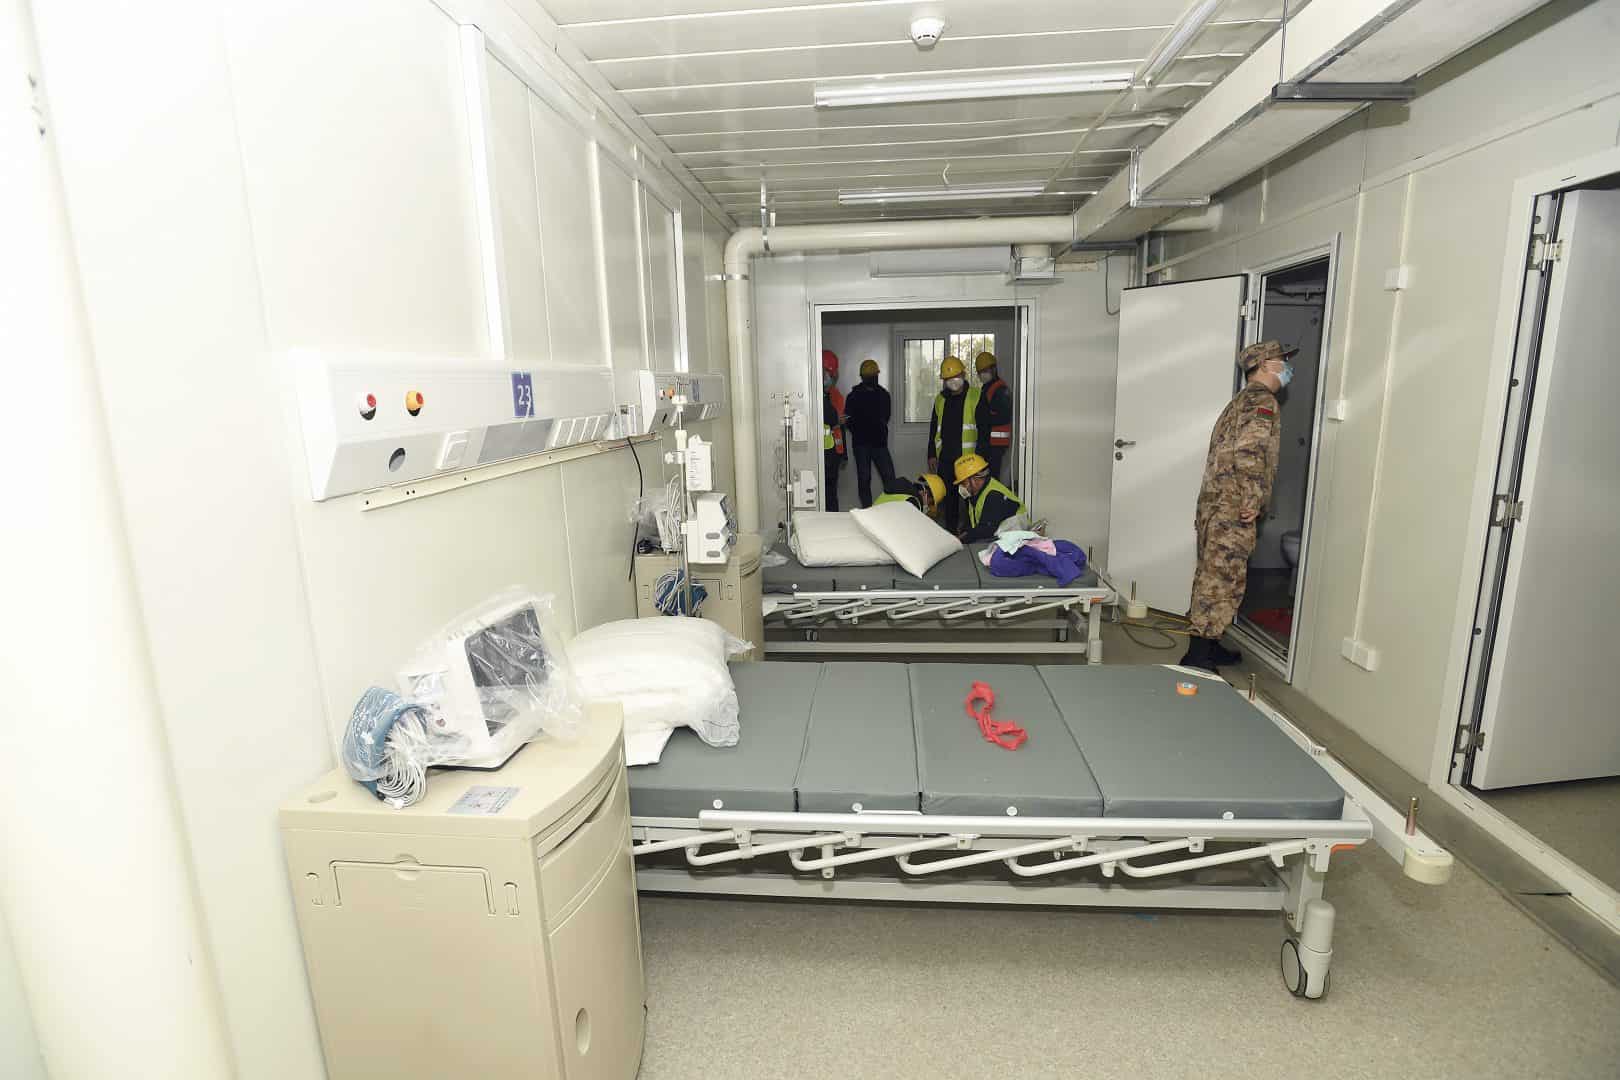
[(963, 620), (1081, 862)]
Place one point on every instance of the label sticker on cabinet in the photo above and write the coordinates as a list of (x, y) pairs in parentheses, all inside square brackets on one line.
[(522, 394), (482, 799)]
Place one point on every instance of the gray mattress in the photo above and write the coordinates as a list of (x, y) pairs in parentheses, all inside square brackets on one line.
[(956, 571), (1103, 741), (1203, 756), (794, 576)]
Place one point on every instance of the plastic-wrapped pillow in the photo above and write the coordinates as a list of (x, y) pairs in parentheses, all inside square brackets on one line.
[(823, 539), (666, 672), (907, 534)]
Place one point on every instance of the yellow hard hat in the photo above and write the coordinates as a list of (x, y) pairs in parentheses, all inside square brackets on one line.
[(969, 465), (868, 367), (984, 360), (951, 368), (936, 486)]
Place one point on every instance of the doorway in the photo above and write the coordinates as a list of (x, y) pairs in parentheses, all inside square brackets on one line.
[(1536, 740), (1293, 303), (909, 345)]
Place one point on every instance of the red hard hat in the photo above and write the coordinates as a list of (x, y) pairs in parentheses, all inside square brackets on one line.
[(829, 361)]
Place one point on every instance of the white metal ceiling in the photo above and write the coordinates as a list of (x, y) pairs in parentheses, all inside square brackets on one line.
[(728, 85)]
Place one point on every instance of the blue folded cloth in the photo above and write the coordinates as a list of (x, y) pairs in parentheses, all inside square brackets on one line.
[(1067, 565)]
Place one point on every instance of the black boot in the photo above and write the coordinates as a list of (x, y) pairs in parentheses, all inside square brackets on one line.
[(1223, 656), (1200, 654)]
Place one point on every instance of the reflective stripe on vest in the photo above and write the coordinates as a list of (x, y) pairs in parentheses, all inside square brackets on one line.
[(970, 421), (977, 506), (1001, 434)]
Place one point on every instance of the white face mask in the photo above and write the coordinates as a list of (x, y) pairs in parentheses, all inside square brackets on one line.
[(964, 491), (955, 385), (987, 376)]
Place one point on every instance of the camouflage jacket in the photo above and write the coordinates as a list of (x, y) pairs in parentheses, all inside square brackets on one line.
[(1242, 462)]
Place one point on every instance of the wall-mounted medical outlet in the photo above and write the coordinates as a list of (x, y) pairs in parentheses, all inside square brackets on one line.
[(372, 420), (1360, 654), (648, 398)]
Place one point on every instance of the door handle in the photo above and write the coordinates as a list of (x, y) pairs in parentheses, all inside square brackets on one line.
[(1120, 444)]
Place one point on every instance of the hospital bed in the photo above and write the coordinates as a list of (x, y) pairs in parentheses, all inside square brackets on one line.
[(869, 781), (957, 607)]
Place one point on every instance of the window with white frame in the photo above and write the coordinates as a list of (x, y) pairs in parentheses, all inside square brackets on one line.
[(968, 344), (922, 357)]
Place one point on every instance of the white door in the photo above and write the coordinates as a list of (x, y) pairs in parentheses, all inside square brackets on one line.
[(1550, 708), (1177, 350)]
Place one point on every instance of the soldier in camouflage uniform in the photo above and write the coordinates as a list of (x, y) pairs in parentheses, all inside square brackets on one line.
[(1238, 475)]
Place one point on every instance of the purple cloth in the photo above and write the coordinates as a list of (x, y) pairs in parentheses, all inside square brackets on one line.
[(1066, 565)]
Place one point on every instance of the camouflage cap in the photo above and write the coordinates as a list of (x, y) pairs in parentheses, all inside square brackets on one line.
[(1262, 351)]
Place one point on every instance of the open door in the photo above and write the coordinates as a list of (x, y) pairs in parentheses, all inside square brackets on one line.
[(1177, 350), (1548, 708)]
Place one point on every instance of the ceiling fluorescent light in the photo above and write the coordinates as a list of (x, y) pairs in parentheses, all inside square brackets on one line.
[(1181, 35), (898, 92), (955, 193)]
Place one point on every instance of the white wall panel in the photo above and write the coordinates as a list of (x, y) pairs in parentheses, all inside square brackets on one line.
[(518, 219), (596, 494), (19, 1049), (621, 258), (562, 157), (663, 317), (355, 144)]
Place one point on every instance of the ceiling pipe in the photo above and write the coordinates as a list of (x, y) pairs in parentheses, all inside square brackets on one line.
[(840, 237)]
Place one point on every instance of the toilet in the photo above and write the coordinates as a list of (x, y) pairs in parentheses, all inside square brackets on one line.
[(1290, 552)]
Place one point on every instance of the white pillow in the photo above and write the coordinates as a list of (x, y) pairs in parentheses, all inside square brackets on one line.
[(908, 534), (667, 672), (822, 539)]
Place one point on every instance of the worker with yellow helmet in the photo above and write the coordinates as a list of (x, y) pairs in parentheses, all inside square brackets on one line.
[(995, 416), (867, 410), (926, 494), (989, 502), (953, 430)]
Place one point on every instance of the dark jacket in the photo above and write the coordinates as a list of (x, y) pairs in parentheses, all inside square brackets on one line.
[(950, 439), (866, 414), (995, 411), (996, 504)]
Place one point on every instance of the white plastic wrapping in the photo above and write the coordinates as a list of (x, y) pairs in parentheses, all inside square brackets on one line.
[(492, 679), (667, 673), (661, 509)]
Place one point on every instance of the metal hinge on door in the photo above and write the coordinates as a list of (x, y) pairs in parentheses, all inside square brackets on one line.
[(1505, 510), (1544, 252), (1469, 740), (1250, 310)]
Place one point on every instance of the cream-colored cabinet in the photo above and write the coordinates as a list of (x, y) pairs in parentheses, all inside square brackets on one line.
[(489, 930), (733, 588)]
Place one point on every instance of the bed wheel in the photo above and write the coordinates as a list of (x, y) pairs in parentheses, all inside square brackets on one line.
[(1297, 974)]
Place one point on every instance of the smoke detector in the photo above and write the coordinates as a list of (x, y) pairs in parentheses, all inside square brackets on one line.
[(926, 31)]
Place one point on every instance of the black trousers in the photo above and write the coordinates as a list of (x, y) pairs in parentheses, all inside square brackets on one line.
[(865, 458), (831, 461)]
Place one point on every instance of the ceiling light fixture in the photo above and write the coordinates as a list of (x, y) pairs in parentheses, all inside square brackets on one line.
[(901, 92), (954, 193), (1181, 35)]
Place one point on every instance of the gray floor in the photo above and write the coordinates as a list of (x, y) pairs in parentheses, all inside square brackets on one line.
[(1447, 982), (1581, 819)]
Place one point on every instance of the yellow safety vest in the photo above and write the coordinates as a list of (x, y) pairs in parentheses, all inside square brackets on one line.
[(970, 421), (976, 508), (881, 499)]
